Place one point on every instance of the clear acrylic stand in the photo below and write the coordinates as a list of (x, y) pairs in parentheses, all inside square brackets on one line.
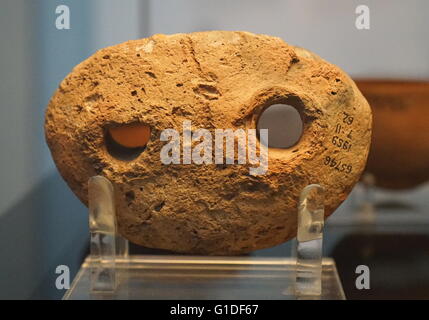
[(311, 219), (110, 273), (366, 209), (106, 245)]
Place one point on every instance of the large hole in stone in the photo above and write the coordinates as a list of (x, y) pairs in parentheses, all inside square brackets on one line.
[(126, 142), (284, 125)]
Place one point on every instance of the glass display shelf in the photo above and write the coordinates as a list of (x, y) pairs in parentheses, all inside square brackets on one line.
[(370, 207), (109, 272), (200, 278)]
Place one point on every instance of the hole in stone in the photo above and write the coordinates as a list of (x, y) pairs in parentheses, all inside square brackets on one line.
[(128, 141), (151, 74), (130, 196), (120, 152), (159, 206), (284, 125)]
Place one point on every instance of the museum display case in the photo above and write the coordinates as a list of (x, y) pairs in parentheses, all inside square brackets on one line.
[(214, 150)]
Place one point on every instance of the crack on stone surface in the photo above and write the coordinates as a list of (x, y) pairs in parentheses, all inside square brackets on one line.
[(193, 55)]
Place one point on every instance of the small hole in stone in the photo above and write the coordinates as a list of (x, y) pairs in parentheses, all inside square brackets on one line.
[(134, 93), (284, 125), (130, 196), (158, 207), (333, 93), (151, 74), (179, 84)]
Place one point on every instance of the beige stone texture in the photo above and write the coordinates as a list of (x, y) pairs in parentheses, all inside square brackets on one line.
[(216, 79)]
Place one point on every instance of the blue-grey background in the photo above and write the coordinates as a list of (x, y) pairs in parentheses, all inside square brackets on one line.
[(42, 224)]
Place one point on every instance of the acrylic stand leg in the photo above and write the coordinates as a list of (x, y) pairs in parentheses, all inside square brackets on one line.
[(367, 210), (108, 273), (106, 245), (308, 249)]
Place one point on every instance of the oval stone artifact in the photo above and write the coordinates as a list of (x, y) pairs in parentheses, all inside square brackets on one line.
[(399, 155), (116, 112)]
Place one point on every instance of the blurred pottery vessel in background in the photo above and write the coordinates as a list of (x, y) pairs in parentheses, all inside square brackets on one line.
[(399, 153)]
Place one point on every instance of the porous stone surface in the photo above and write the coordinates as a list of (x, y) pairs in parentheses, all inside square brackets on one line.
[(216, 79), (399, 152)]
